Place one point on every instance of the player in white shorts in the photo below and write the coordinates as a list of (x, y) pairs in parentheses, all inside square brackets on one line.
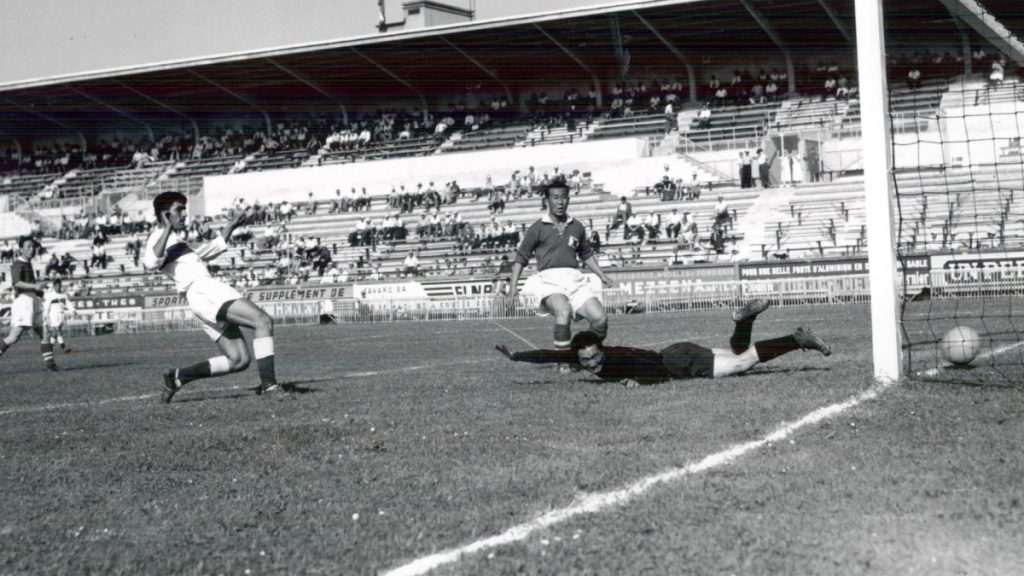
[(56, 305), (560, 243), (220, 308)]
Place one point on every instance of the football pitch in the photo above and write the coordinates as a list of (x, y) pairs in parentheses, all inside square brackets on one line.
[(416, 446)]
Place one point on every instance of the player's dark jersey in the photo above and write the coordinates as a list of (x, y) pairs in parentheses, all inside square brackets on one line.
[(21, 271), (682, 360), (554, 248)]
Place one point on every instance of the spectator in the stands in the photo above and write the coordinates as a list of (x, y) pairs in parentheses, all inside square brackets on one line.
[(411, 265), (998, 73), (652, 225), (704, 116), (746, 178), (914, 78), (763, 168), (688, 237), (7, 252), (843, 88), (576, 182), (622, 213), (496, 202), (721, 97), (360, 201), (99, 256), (674, 224), (634, 228), (722, 213), (331, 275)]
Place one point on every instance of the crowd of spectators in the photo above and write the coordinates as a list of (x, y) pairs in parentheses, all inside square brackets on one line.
[(745, 88)]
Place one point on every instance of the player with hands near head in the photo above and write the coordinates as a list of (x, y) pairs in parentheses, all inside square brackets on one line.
[(220, 308)]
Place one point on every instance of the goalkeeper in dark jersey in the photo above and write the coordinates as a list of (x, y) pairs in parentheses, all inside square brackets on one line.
[(681, 360)]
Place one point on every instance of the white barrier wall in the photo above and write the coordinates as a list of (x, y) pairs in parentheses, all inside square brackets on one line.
[(12, 225), (980, 134), (378, 177)]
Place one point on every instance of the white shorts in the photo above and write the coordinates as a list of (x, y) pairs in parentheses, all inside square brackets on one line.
[(206, 297), (570, 282), (56, 320), (27, 311)]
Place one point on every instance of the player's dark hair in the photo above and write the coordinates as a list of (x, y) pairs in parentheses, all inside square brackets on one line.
[(23, 239), (584, 339), (56, 282), (165, 200), (556, 182)]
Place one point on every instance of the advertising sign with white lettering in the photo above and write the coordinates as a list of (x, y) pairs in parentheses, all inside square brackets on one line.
[(639, 282), (803, 268)]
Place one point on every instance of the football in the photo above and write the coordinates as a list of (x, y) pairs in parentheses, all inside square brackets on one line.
[(961, 345)]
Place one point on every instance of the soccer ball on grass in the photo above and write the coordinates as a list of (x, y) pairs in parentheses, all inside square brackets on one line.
[(961, 345)]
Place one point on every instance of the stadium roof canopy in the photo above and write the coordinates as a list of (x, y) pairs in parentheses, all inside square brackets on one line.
[(512, 55)]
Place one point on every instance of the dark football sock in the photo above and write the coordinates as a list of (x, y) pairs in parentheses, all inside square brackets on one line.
[(740, 340), (193, 372), (47, 351), (563, 336), (771, 349), (3, 346)]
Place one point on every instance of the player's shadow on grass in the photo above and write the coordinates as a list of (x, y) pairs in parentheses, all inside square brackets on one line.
[(781, 370), (84, 367), (296, 389)]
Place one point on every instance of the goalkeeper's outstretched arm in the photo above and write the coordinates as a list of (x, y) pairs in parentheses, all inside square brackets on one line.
[(540, 356)]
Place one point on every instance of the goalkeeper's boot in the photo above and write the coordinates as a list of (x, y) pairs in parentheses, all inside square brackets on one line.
[(750, 310), (171, 386), (807, 340)]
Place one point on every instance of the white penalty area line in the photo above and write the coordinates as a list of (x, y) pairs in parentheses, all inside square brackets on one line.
[(599, 502), (512, 332)]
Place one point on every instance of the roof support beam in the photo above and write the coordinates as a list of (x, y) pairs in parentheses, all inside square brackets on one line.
[(249, 101), (569, 53), (168, 107), (111, 107), (838, 23), (675, 51), (985, 24), (395, 77), (485, 69), (305, 80), (81, 137), (770, 31)]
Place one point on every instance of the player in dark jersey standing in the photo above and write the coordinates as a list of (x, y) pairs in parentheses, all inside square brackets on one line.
[(27, 311), (680, 360), (561, 289)]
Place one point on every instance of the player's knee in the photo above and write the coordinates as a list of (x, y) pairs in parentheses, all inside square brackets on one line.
[(265, 322), (239, 362)]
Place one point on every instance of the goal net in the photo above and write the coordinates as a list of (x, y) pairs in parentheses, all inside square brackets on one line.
[(956, 121)]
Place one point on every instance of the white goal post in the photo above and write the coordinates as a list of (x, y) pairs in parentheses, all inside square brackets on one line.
[(886, 341)]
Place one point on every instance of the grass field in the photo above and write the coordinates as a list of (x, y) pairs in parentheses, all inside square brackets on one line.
[(411, 439)]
